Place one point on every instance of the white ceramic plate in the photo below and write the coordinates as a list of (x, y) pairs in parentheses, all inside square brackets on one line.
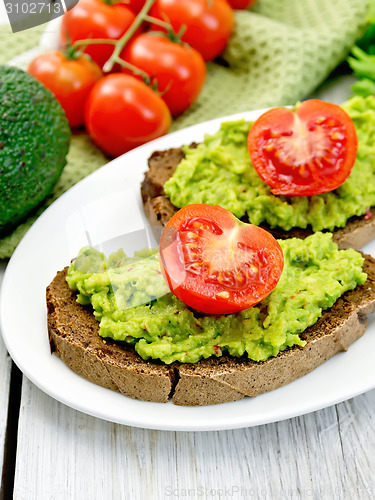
[(113, 195)]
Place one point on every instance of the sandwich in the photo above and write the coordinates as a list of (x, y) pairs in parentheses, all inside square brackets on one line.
[(219, 171), (115, 322), (224, 310)]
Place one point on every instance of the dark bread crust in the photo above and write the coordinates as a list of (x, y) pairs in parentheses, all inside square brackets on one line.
[(73, 335), (158, 208)]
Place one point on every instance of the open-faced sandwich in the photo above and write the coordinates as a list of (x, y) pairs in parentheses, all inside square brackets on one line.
[(224, 310), (115, 321), (221, 171)]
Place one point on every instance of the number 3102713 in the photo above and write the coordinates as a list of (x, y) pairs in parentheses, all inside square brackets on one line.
[(33, 7)]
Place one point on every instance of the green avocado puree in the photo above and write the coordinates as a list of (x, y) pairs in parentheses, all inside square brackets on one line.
[(219, 172), (133, 304)]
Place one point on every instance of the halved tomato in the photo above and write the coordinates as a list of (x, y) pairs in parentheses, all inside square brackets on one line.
[(306, 150), (217, 264)]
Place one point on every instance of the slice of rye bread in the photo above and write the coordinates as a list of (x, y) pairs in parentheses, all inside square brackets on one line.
[(159, 209), (73, 335)]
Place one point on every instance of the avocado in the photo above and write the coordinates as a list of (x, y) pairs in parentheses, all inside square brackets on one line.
[(34, 142)]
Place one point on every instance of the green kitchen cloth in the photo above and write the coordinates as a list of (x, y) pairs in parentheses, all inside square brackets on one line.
[(280, 51)]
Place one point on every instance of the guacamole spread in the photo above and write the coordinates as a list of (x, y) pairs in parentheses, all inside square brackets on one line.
[(219, 172), (133, 304)]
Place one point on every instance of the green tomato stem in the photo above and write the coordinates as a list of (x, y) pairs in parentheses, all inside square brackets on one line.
[(145, 77), (120, 44), (113, 2), (71, 51), (133, 69), (94, 41), (170, 33), (157, 21)]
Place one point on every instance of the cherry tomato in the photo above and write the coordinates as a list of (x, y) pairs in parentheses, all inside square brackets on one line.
[(307, 150), (209, 23), (123, 113), (69, 79), (217, 264), (241, 4), (96, 19), (135, 5), (178, 70)]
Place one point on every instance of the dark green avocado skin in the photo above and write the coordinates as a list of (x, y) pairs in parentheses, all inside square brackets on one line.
[(34, 142)]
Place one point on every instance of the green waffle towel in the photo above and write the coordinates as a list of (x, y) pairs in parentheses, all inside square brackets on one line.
[(280, 51)]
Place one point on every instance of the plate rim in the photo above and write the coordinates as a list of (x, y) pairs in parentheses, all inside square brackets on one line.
[(197, 425)]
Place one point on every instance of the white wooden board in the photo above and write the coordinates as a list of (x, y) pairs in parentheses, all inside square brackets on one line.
[(64, 454), (5, 366)]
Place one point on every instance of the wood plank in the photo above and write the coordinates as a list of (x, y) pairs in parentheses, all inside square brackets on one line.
[(5, 367), (63, 453)]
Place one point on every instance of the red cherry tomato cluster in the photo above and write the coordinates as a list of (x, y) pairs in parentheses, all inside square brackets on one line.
[(178, 71), (71, 79), (208, 25), (96, 19), (127, 67)]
